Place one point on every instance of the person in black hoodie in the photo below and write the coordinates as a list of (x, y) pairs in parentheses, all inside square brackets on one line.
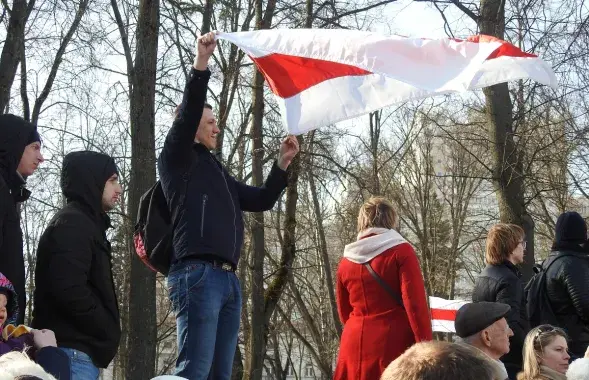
[(74, 288), (208, 234), (20, 156), (501, 281), (567, 280)]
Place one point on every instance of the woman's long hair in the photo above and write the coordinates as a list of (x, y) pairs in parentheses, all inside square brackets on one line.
[(538, 338)]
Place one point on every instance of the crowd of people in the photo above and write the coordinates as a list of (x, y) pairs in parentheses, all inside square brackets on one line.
[(387, 328), (381, 296), (75, 328)]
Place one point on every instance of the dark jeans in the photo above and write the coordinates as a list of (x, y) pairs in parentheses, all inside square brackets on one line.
[(207, 304)]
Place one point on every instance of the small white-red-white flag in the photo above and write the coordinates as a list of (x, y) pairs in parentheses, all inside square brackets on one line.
[(322, 76), (444, 313)]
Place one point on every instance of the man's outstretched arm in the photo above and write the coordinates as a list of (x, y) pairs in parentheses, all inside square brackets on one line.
[(180, 138), (263, 198)]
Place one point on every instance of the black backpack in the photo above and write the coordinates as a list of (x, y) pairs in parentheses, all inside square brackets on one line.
[(154, 229), (538, 304)]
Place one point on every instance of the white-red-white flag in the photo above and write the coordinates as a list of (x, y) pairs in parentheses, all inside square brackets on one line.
[(322, 76), (444, 313)]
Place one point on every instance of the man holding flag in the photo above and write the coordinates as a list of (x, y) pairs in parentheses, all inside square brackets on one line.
[(208, 233)]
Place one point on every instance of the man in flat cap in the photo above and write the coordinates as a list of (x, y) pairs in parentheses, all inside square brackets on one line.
[(483, 325)]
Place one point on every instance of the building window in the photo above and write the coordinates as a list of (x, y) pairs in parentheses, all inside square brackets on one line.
[(290, 370), (309, 370)]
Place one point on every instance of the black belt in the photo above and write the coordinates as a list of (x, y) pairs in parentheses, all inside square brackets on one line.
[(214, 261)]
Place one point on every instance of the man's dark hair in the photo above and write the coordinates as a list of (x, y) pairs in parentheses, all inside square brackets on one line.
[(441, 361), (207, 105)]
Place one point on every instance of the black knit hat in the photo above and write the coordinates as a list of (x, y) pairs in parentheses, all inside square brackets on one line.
[(571, 228)]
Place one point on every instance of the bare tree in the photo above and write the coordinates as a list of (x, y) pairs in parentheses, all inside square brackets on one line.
[(141, 73)]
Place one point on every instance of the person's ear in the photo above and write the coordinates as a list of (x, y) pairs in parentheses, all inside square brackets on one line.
[(486, 338)]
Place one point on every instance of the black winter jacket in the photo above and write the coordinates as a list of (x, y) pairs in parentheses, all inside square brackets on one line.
[(567, 286), (74, 288), (14, 134), (502, 283), (209, 199)]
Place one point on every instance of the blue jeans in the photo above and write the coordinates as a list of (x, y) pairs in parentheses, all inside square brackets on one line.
[(82, 366), (207, 304)]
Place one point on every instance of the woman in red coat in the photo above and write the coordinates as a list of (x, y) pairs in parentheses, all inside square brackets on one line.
[(377, 329)]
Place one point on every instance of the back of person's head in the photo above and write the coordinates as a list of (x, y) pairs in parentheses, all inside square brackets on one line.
[(502, 240), (538, 338), (441, 361), (17, 365), (579, 370), (377, 212), (570, 231)]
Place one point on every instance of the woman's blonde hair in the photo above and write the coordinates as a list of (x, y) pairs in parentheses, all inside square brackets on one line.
[(17, 364), (502, 239), (377, 212), (538, 338)]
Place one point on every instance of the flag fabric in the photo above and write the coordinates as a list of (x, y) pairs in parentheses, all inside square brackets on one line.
[(323, 76), (444, 313)]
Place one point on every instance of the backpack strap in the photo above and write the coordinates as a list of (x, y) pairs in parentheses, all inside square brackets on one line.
[(385, 286), (563, 254)]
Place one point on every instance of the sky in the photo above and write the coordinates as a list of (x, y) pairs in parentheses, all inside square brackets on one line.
[(422, 19)]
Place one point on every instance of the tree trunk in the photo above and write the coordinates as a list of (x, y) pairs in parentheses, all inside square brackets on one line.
[(508, 169), (206, 16), (375, 126), (237, 371), (143, 334), (13, 48), (256, 345), (255, 358), (323, 249)]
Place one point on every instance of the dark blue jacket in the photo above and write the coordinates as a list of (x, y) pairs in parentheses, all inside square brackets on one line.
[(55, 362), (209, 201)]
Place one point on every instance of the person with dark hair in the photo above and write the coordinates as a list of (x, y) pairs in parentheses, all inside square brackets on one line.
[(501, 281), (438, 360), (208, 228), (20, 156), (567, 280), (74, 288)]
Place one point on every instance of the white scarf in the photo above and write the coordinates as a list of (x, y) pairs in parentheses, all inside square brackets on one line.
[(364, 250)]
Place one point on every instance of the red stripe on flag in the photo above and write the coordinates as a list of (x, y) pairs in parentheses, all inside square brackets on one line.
[(505, 50), (288, 75), (444, 314)]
